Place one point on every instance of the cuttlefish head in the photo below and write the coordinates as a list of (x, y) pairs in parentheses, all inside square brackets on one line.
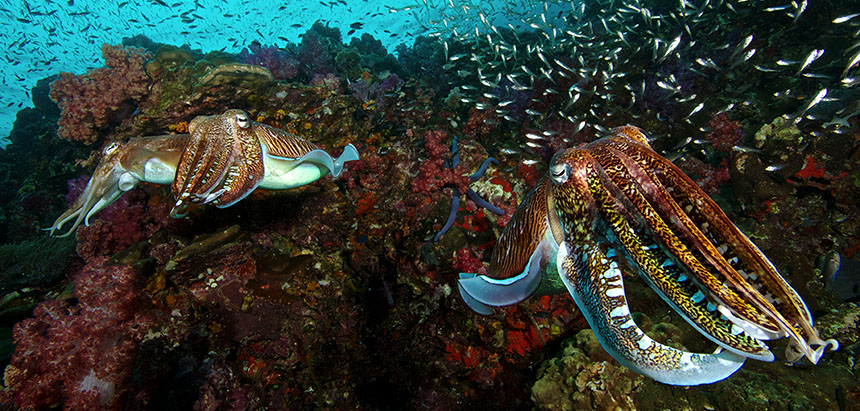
[(109, 181), (221, 164)]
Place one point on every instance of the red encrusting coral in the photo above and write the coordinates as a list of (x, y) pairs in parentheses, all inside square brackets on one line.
[(810, 170), (92, 101), (724, 133), (466, 262), (81, 356)]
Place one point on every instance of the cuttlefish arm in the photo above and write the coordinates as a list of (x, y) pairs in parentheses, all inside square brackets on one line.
[(228, 156), (589, 270), (733, 276), (528, 243), (121, 168), (589, 261)]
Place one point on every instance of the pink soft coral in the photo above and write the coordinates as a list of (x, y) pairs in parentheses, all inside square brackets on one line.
[(91, 101)]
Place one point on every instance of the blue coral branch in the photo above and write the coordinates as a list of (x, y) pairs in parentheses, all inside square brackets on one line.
[(455, 193)]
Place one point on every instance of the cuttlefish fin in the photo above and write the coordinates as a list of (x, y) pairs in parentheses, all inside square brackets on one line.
[(591, 274), (285, 172), (526, 245), (334, 166), (482, 292)]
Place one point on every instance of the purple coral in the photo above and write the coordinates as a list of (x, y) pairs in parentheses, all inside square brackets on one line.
[(280, 62), (81, 356), (376, 91), (314, 57)]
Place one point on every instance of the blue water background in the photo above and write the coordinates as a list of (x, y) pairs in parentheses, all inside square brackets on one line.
[(46, 38)]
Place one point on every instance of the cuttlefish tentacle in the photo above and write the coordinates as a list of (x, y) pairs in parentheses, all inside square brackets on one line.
[(224, 159)]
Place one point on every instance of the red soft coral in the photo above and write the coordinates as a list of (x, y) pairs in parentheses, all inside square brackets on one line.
[(433, 174), (81, 356), (91, 101)]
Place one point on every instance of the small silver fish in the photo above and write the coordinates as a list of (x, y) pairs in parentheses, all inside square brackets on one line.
[(812, 56), (799, 9), (683, 143), (696, 110), (815, 100), (845, 18), (741, 47), (764, 69), (672, 46), (775, 167), (743, 149), (854, 60)]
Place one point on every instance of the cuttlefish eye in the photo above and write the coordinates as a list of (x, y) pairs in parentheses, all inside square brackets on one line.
[(242, 120), (559, 172), (110, 148)]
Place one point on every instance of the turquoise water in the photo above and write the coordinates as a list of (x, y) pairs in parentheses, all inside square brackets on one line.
[(45, 38)]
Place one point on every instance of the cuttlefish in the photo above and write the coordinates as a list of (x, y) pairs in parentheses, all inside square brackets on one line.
[(615, 204), (223, 159)]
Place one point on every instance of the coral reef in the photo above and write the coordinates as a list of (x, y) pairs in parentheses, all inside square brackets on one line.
[(334, 295), (584, 377)]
